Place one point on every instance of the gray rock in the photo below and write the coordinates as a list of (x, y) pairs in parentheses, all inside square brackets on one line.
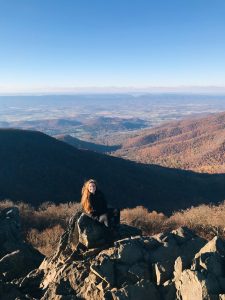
[(168, 251), (143, 290), (195, 285), (92, 234), (183, 234), (69, 239), (211, 262), (140, 271), (124, 231), (179, 267), (10, 230), (53, 293), (31, 283), (150, 243), (72, 232), (162, 271), (215, 245), (212, 284), (17, 258), (104, 268), (190, 286), (129, 251), (8, 291), (222, 283), (168, 290), (189, 249), (123, 276), (20, 262)]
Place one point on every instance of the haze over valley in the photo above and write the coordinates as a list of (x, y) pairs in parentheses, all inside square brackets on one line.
[(103, 118)]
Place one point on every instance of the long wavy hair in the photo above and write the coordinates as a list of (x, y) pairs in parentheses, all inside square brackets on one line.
[(85, 195)]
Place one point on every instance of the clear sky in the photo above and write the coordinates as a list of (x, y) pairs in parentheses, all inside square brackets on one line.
[(64, 44)]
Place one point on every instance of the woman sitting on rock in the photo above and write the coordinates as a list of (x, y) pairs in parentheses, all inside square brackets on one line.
[(94, 204)]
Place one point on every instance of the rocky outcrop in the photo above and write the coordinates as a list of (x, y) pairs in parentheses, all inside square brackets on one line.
[(17, 258), (206, 277), (174, 265)]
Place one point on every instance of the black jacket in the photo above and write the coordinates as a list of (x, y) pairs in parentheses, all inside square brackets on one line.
[(98, 203)]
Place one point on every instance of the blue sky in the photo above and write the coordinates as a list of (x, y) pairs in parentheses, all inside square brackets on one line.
[(65, 44)]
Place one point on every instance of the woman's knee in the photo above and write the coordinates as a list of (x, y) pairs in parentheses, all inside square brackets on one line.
[(104, 219)]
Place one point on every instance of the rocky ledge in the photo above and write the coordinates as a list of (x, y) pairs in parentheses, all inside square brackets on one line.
[(173, 265)]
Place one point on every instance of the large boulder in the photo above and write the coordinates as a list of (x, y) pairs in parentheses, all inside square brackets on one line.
[(182, 243), (206, 277), (10, 230), (93, 234), (17, 258), (190, 286), (20, 262)]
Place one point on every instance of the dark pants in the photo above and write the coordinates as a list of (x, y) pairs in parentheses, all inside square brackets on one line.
[(111, 218)]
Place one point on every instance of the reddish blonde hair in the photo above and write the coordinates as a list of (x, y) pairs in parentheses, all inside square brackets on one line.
[(85, 195)]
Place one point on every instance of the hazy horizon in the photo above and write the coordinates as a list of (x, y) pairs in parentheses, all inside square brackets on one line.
[(211, 90)]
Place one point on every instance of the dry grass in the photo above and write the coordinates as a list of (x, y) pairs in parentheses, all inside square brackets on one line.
[(206, 220), (43, 227), (45, 241), (47, 215), (149, 222)]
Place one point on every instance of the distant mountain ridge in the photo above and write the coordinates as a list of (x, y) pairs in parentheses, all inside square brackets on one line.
[(36, 124), (36, 168), (77, 143), (85, 122), (194, 144)]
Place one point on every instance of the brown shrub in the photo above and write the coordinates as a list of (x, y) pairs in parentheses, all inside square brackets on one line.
[(6, 203), (45, 241), (47, 215), (206, 220), (149, 222), (50, 214)]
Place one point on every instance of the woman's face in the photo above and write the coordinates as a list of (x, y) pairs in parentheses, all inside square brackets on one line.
[(92, 187)]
